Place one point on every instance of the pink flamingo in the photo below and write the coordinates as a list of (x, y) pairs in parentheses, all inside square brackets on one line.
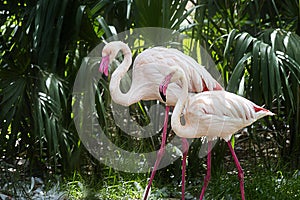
[(149, 69), (212, 114)]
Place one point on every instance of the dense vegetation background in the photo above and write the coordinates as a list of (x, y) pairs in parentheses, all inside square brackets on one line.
[(255, 44)]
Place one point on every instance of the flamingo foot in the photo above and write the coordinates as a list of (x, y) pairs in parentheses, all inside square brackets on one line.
[(240, 170), (185, 150), (208, 174), (160, 153)]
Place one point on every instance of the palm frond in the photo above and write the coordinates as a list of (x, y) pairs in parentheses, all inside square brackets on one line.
[(270, 61)]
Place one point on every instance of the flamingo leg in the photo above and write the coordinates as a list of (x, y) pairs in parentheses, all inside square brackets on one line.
[(240, 170), (207, 177), (185, 150), (160, 153)]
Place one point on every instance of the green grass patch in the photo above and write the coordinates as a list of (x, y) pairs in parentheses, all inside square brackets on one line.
[(258, 185), (109, 184)]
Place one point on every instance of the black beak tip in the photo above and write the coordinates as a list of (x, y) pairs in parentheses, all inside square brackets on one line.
[(163, 96), (104, 77)]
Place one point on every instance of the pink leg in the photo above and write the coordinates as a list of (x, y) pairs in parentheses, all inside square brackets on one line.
[(207, 177), (160, 152), (240, 170), (185, 150)]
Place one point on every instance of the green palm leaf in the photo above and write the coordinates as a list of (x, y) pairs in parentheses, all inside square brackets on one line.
[(42, 44), (272, 56)]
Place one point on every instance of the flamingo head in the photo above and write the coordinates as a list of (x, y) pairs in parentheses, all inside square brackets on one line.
[(173, 76), (103, 68), (164, 86), (109, 53)]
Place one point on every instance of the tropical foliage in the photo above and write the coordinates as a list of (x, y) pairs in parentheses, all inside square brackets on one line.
[(255, 45), (42, 45)]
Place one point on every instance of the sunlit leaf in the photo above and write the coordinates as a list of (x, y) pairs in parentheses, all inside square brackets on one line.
[(237, 73), (229, 42)]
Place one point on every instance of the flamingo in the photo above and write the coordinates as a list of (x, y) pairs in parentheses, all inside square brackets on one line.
[(212, 114), (149, 69)]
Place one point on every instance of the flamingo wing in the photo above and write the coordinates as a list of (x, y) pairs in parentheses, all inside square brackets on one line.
[(220, 113), (199, 79)]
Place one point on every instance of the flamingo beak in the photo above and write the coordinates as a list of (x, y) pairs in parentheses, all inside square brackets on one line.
[(103, 68), (164, 86), (162, 94)]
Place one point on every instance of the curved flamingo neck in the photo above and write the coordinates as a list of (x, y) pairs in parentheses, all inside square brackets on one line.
[(117, 95), (179, 129)]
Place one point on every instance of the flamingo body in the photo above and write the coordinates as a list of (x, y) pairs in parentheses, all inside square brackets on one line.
[(199, 79), (211, 114), (149, 69), (216, 114)]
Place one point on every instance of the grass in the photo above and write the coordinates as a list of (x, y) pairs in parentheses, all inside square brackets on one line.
[(265, 185), (116, 186), (100, 182), (260, 183), (225, 186)]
